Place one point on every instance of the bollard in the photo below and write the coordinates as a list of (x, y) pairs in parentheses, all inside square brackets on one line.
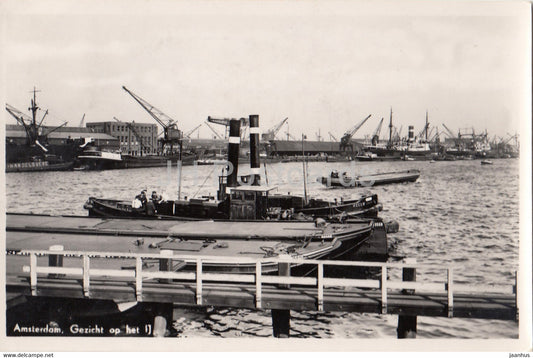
[(160, 326), (165, 264), (281, 319), (163, 318), (55, 260), (406, 323)]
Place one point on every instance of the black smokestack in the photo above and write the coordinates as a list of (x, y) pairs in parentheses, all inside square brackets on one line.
[(255, 164), (233, 151), (411, 133)]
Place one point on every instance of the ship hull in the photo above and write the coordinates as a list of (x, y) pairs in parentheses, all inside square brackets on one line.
[(280, 207), (334, 180)]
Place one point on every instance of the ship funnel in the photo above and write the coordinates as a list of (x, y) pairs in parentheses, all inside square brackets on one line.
[(411, 133), (255, 164), (233, 151)]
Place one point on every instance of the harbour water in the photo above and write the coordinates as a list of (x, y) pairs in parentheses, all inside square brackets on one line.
[(459, 214)]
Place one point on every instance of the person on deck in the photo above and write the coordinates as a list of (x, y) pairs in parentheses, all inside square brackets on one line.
[(140, 200), (151, 208), (156, 198)]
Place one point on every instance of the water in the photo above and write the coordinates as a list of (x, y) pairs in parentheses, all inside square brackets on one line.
[(460, 214)]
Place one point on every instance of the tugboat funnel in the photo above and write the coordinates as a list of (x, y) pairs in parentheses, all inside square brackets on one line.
[(233, 151), (255, 165)]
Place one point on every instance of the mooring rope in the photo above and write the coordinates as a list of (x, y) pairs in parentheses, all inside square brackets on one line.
[(209, 176)]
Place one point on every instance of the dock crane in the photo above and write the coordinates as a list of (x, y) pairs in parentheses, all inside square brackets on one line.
[(171, 134), (82, 122), (272, 132), (375, 136), (188, 134), (225, 122), (332, 137), (347, 137), (214, 131), (131, 127), (448, 131), (456, 139)]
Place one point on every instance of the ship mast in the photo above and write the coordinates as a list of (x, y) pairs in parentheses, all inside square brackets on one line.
[(427, 124), (33, 108)]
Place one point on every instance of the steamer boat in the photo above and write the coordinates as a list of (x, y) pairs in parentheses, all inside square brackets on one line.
[(252, 202)]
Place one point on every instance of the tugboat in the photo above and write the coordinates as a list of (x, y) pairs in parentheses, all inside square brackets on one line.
[(283, 207)]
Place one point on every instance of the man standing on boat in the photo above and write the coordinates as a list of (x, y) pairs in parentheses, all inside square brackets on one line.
[(140, 200)]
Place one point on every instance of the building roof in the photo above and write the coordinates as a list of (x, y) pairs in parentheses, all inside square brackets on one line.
[(309, 146), (119, 123), (17, 131)]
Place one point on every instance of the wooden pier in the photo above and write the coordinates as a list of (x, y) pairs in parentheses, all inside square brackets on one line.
[(156, 278)]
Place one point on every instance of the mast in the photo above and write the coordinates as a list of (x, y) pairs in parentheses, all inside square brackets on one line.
[(304, 171), (33, 110), (179, 164), (390, 128), (427, 125)]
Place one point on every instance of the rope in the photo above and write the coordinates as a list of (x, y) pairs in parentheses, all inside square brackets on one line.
[(209, 176)]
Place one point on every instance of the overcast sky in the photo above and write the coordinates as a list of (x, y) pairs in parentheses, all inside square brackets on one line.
[(323, 64)]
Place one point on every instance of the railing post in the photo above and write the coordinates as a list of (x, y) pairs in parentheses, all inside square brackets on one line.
[(383, 289), (281, 319), (55, 260), (165, 263), (320, 288), (406, 323), (198, 281), (449, 287), (86, 275), (33, 273), (258, 294), (138, 279)]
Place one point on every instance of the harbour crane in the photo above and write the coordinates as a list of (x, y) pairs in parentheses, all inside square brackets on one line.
[(347, 137), (82, 122), (189, 133), (332, 137), (290, 136), (511, 137), (272, 132), (214, 131), (131, 127), (449, 132), (455, 138), (225, 122), (375, 136), (171, 134)]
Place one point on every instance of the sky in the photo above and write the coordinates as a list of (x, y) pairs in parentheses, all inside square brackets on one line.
[(324, 65)]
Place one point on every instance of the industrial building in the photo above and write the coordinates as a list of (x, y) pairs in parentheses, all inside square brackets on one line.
[(134, 138)]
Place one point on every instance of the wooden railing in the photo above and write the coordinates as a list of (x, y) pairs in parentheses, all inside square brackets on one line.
[(139, 275)]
